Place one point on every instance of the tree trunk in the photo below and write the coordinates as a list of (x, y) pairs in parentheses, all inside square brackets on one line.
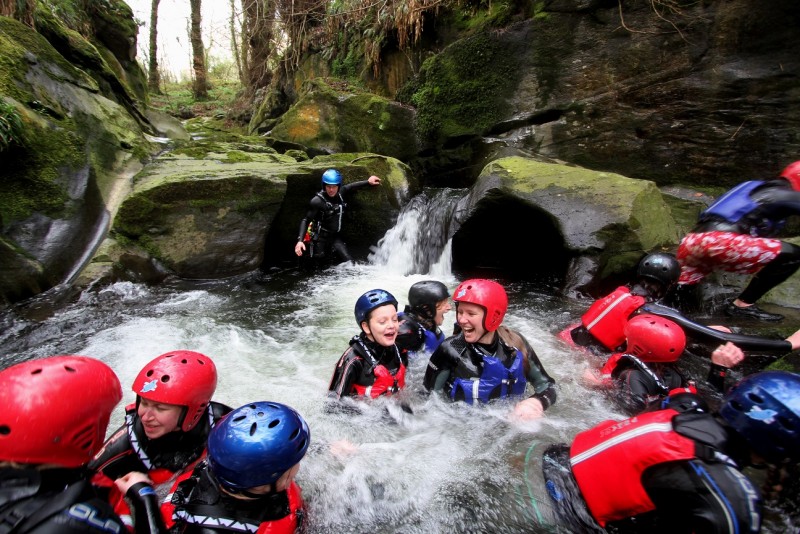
[(235, 43), (200, 86), (20, 10), (259, 18), (153, 80)]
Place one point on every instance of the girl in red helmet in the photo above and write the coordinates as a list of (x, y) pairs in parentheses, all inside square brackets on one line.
[(166, 429), (640, 378), (486, 360), (737, 234), (44, 450)]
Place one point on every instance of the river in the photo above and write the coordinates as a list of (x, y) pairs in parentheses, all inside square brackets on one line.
[(277, 336)]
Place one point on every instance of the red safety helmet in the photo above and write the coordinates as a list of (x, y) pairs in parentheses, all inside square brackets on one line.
[(56, 410), (792, 173), (485, 293), (654, 339), (180, 377)]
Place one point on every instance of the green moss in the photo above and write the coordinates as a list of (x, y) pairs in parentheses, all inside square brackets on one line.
[(465, 88), (31, 174), (237, 156)]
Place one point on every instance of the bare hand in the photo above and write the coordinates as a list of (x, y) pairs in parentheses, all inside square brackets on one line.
[(528, 410), (125, 482), (343, 448), (299, 248), (727, 355), (374, 180)]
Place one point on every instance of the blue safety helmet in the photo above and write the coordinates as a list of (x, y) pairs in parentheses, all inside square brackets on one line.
[(256, 444), (374, 298), (765, 409), (331, 177)]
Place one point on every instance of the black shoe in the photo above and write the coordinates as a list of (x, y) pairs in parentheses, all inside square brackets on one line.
[(751, 312)]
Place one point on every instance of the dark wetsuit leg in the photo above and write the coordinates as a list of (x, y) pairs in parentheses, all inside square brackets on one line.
[(340, 249), (773, 274)]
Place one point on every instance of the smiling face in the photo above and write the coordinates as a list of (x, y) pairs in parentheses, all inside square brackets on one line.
[(442, 307), (331, 190), (470, 318), (158, 419), (381, 325)]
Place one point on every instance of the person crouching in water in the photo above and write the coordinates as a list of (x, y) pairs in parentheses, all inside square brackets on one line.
[(247, 482), (679, 469), (165, 431), (643, 376), (423, 316), (487, 360), (372, 365)]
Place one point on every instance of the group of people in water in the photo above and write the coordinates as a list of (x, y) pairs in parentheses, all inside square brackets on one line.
[(184, 463)]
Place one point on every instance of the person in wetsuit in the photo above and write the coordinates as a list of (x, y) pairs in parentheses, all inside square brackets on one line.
[(53, 419), (247, 482), (422, 318), (373, 364), (678, 469), (601, 330), (165, 430), (487, 360), (602, 326), (639, 379), (737, 234), (319, 233)]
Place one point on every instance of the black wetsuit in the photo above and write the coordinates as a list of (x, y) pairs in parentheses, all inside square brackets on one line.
[(173, 451), (357, 365), (202, 508), (62, 501), (455, 358), (327, 214)]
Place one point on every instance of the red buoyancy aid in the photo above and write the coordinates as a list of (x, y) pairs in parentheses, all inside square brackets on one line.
[(289, 523), (607, 317), (621, 451), (385, 382)]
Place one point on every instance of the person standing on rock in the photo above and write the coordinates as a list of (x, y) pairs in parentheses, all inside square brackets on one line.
[(319, 230), (736, 234)]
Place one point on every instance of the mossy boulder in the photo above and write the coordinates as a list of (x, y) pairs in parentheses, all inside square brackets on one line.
[(578, 229), (65, 173), (337, 118), (221, 209)]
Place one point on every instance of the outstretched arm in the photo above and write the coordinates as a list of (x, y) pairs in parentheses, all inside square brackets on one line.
[(712, 335)]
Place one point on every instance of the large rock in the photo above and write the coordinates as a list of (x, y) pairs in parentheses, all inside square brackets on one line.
[(64, 176), (576, 229), (223, 209), (338, 118)]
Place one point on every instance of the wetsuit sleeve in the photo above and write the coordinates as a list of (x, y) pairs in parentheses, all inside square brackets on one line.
[(311, 215), (347, 371), (145, 509), (630, 391), (114, 459), (442, 362), (544, 385), (348, 188), (703, 497)]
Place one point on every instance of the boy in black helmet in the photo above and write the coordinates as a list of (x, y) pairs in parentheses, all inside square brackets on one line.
[(423, 316)]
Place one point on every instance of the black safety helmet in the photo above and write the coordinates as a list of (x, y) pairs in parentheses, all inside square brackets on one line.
[(424, 296), (660, 267)]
